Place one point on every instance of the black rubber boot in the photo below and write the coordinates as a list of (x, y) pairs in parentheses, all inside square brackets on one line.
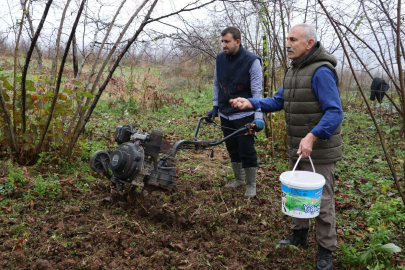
[(299, 239), (324, 261)]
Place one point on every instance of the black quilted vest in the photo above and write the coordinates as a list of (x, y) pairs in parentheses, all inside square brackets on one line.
[(233, 78)]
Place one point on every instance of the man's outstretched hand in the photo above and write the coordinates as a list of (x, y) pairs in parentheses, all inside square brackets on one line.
[(240, 103)]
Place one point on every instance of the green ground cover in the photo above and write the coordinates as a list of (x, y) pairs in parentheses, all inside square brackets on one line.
[(61, 215)]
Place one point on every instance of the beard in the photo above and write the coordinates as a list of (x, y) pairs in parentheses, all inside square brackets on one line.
[(230, 51)]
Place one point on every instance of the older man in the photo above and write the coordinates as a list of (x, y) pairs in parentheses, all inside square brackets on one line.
[(313, 114)]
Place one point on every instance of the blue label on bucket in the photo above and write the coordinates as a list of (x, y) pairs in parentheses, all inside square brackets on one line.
[(312, 209), (301, 202)]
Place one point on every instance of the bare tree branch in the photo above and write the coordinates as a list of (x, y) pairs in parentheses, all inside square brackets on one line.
[(55, 97), (27, 62), (62, 20), (32, 33), (15, 70), (372, 50), (382, 139), (399, 60), (180, 11), (80, 126)]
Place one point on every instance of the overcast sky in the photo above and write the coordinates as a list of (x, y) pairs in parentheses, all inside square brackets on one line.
[(10, 12)]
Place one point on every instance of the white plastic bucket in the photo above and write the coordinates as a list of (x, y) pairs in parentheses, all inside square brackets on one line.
[(301, 192)]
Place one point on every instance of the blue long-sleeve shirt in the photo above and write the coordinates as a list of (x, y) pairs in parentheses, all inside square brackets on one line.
[(325, 90)]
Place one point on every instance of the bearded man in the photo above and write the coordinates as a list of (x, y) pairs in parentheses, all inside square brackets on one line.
[(238, 73)]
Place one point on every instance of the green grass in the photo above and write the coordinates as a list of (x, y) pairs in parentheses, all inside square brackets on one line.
[(370, 212)]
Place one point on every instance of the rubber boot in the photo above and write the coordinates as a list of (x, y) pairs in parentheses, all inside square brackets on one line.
[(324, 261), (298, 239), (250, 182), (239, 173)]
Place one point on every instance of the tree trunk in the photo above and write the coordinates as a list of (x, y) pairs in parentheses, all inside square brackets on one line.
[(15, 71), (55, 97), (27, 63), (38, 50), (382, 139), (9, 126), (74, 54), (82, 124), (92, 72), (55, 59)]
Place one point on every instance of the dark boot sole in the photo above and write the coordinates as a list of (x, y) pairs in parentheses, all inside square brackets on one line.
[(329, 268), (288, 243)]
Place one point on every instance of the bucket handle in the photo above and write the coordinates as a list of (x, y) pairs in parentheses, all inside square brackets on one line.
[(298, 160)]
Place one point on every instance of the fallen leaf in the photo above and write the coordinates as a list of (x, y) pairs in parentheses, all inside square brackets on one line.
[(8, 207), (107, 199), (30, 220), (178, 246), (19, 245), (12, 222), (196, 168), (370, 229), (361, 224), (264, 254), (75, 209)]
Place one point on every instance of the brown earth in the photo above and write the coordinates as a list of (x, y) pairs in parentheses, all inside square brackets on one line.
[(195, 224)]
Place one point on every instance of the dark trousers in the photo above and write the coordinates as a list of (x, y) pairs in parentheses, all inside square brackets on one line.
[(241, 147)]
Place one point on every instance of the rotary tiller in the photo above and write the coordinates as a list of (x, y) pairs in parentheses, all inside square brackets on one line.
[(135, 161)]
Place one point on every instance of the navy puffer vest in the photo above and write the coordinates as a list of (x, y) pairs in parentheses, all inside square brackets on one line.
[(233, 78)]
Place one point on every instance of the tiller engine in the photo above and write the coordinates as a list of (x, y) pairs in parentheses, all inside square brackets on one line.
[(135, 161)]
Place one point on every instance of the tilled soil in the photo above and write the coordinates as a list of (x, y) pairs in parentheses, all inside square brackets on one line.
[(194, 224)]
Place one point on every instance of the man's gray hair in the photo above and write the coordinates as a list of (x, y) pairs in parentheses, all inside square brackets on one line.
[(309, 31)]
